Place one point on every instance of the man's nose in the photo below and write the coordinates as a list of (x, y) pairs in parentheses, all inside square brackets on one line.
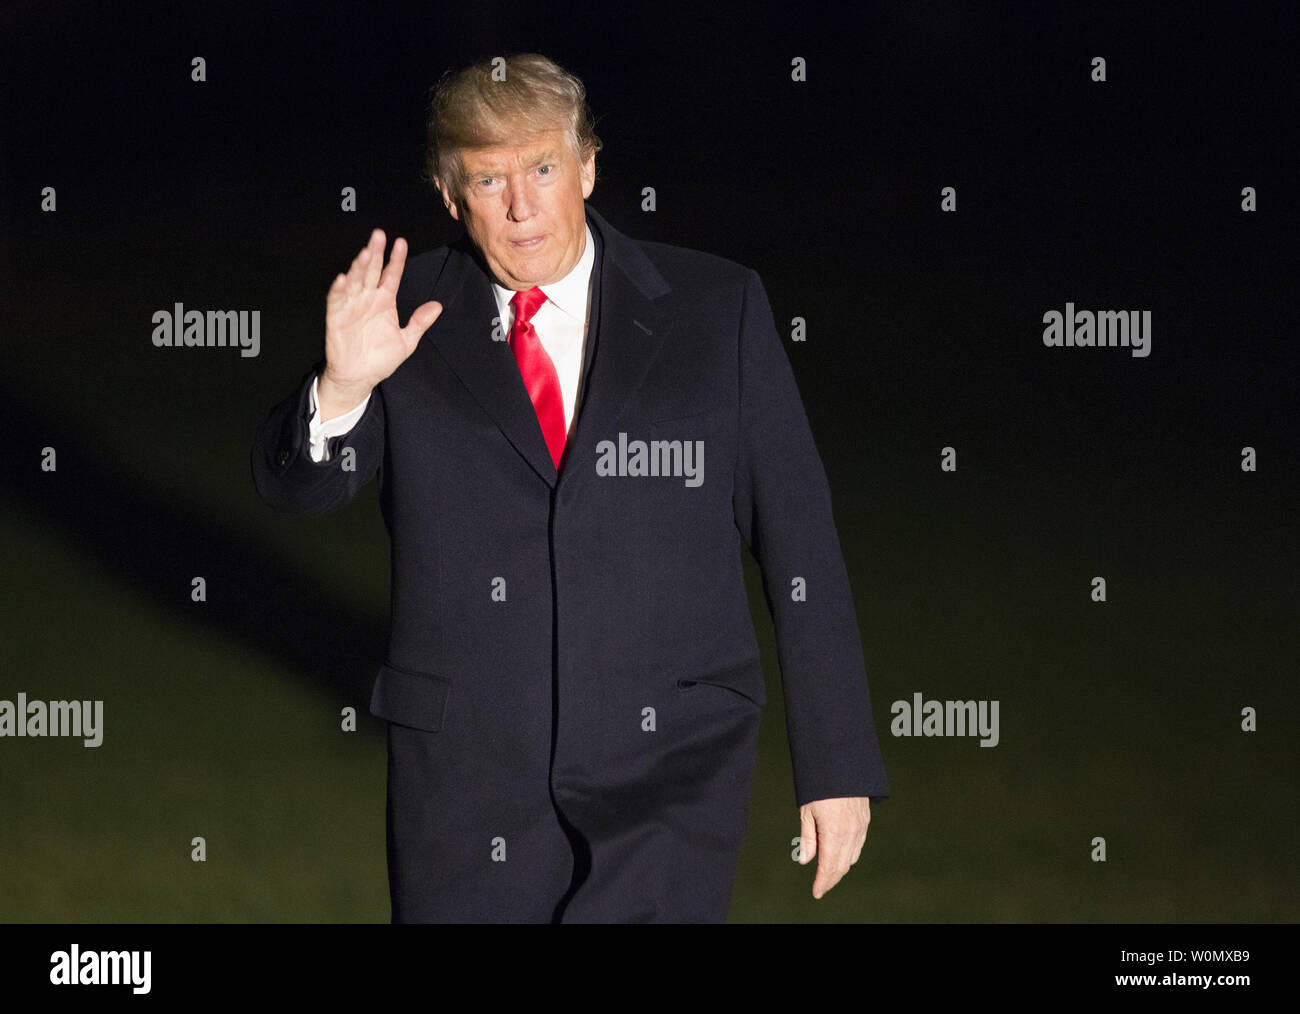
[(520, 202)]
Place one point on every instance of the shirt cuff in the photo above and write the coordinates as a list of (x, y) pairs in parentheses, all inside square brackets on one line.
[(320, 431)]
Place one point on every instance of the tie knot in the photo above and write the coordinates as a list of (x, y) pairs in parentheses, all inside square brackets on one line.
[(526, 303)]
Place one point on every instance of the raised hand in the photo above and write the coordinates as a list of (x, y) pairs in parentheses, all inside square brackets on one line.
[(364, 343)]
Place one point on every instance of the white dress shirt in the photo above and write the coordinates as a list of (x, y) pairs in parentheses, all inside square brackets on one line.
[(561, 325)]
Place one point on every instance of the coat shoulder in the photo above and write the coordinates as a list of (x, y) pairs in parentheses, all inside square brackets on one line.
[(423, 270), (686, 268)]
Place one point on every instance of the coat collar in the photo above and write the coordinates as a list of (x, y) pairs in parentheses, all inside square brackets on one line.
[(627, 329)]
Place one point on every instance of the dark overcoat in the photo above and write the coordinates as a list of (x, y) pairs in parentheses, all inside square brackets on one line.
[(572, 683)]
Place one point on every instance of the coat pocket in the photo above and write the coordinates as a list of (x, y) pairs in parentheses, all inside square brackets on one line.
[(744, 681), (414, 699)]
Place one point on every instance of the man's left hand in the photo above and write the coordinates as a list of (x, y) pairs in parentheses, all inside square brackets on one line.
[(833, 830)]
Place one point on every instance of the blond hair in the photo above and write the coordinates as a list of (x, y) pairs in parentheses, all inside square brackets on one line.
[(469, 109)]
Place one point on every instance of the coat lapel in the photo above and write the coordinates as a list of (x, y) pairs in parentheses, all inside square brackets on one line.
[(463, 335), (627, 327), (629, 322)]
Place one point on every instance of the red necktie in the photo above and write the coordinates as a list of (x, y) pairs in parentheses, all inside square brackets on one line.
[(535, 366)]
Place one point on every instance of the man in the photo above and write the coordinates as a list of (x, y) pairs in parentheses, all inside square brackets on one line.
[(573, 432)]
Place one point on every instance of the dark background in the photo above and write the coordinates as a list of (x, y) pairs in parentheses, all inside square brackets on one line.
[(1118, 719)]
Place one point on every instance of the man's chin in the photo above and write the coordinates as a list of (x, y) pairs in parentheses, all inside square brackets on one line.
[(527, 276)]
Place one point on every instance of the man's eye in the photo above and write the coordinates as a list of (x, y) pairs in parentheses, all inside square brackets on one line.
[(540, 168), (486, 180)]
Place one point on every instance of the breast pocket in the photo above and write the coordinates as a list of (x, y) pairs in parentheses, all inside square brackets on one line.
[(414, 699), (682, 416)]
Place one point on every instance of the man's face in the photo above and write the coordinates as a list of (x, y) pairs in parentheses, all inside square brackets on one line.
[(522, 207)]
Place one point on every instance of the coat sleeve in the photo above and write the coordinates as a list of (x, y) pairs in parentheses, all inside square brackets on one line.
[(284, 474), (783, 510)]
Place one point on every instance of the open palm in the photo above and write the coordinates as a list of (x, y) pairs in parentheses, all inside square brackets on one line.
[(364, 341)]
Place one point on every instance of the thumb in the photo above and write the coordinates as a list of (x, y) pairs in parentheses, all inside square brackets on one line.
[(421, 319), (808, 832)]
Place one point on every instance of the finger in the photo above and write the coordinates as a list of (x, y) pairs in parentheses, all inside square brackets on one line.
[(836, 849), (808, 836), (862, 835), (335, 293), (828, 875), (357, 271), (376, 263), (421, 320), (392, 276), (831, 865)]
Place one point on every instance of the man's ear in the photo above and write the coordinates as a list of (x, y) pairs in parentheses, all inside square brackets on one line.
[(588, 171), (448, 201)]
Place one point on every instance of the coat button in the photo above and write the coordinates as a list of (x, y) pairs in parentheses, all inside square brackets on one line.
[(284, 457)]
